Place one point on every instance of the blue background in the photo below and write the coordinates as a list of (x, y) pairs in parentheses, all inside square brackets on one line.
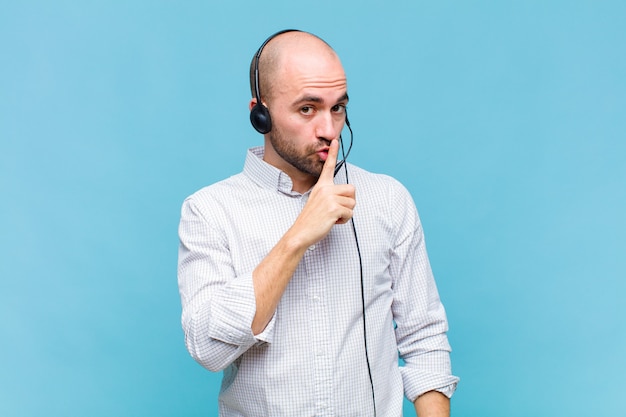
[(505, 119)]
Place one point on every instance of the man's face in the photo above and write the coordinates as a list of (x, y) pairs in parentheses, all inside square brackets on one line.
[(308, 111)]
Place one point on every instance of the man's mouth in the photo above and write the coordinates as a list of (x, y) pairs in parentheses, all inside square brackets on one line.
[(323, 153)]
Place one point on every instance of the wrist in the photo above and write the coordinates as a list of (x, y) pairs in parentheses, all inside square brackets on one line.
[(432, 404)]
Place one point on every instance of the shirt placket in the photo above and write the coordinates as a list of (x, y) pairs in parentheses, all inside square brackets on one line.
[(319, 322)]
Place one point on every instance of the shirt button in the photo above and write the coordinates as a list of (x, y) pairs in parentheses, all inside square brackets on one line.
[(312, 247), (316, 298)]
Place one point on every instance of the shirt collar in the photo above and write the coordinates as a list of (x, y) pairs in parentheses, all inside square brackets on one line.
[(266, 175)]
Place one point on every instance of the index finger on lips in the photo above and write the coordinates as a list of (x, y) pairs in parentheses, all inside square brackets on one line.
[(328, 170)]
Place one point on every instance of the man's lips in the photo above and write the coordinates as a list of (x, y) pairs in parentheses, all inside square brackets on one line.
[(323, 153)]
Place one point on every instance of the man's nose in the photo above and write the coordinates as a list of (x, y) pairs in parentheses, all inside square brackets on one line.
[(327, 126)]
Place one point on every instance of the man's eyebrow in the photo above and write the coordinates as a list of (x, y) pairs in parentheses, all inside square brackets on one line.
[(308, 99), (316, 99)]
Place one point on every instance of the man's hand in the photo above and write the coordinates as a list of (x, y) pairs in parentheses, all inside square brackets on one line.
[(328, 204)]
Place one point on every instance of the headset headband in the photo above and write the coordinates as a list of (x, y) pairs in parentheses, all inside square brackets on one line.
[(257, 56)]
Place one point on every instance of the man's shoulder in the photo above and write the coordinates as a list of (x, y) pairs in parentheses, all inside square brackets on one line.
[(379, 189), (222, 188)]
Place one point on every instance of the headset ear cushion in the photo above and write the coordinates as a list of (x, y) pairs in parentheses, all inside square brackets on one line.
[(260, 118)]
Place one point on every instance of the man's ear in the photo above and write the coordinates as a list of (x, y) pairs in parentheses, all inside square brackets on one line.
[(252, 103)]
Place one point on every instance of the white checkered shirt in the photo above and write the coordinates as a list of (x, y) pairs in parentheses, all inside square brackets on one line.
[(310, 360)]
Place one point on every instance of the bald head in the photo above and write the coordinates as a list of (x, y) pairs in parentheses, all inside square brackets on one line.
[(283, 52)]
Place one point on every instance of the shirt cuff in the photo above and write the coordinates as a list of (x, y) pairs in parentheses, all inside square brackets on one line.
[(433, 374), (267, 335), (232, 315)]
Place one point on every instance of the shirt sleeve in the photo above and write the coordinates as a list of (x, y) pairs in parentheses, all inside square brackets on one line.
[(420, 318), (218, 306)]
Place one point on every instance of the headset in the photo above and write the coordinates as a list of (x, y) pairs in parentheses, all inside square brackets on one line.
[(262, 122)]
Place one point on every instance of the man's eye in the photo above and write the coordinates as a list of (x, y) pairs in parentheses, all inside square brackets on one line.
[(339, 108), (306, 110)]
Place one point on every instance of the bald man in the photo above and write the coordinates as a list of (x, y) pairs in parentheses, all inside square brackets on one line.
[(304, 285)]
